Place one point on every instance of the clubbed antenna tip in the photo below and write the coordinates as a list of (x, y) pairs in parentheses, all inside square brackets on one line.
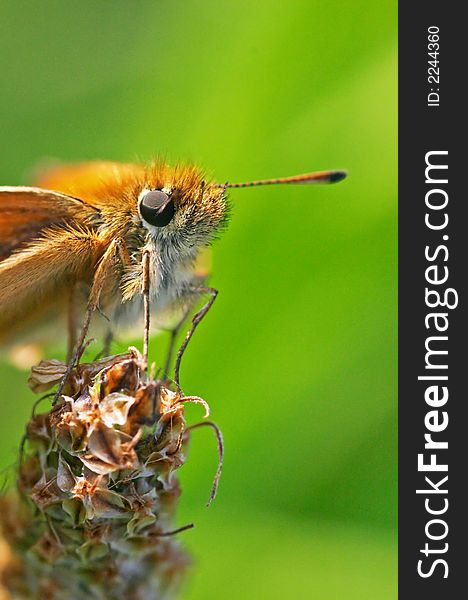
[(336, 176)]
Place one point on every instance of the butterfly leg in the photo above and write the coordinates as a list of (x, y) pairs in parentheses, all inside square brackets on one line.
[(146, 305), (109, 335), (104, 272), (195, 321), (71, 320), (174, 332)]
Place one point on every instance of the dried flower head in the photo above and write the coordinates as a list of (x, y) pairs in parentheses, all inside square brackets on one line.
[(96, 486)]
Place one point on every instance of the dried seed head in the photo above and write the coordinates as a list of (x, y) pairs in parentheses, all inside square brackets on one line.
[(97, 475)]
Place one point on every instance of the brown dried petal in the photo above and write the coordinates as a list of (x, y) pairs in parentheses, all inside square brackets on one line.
[(94, 478), (46, 374), (169, 400), (71, 433), (114, 408), (168, 437), (146, 406), (98, 466), (111, 450), (45, 492), (163, 464), (121, 376), (84, 374), (105, 443), (38, 428), (30, 472), (106, 504), (84, 404), (58, 412), (65, 479)]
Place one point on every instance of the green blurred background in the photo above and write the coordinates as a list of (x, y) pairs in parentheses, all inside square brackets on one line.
[(298, 356)]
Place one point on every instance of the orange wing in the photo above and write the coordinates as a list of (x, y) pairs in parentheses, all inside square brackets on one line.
[(89, 180), (44, 242), (26, 211)]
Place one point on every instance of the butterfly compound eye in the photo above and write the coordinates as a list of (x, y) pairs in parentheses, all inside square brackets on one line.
[(157, 208)]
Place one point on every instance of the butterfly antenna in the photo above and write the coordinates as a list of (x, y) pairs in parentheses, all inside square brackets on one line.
[(317, 177)]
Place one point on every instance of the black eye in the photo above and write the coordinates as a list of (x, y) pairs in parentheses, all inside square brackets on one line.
[(157, 208)]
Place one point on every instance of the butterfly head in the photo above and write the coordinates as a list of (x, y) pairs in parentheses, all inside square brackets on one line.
[(179, 209)]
